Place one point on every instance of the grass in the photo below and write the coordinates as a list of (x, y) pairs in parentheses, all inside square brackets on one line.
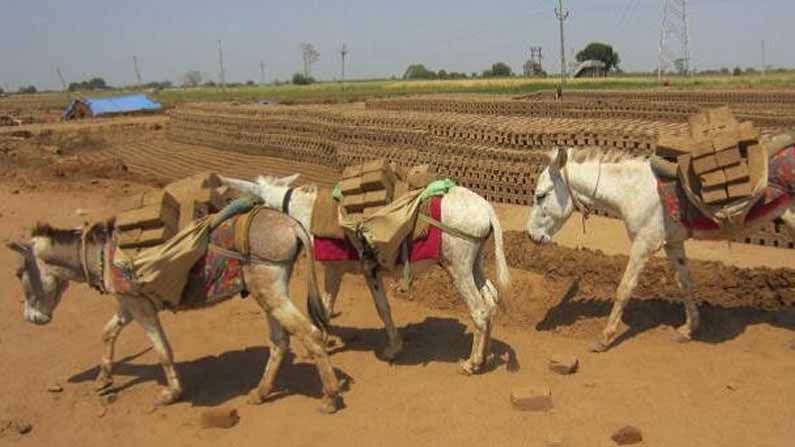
[(334, 92)]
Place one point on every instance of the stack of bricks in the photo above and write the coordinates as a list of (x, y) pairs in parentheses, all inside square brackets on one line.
[(720, 152), (367, 187)]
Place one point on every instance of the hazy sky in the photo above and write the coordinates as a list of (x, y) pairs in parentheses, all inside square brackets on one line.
[(89, 38)]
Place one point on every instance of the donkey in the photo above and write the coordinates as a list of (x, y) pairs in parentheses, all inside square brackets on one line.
[(626, 186), (54, 257), (462, 258)]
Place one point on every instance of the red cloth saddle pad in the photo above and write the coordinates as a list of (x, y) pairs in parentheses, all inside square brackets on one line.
[(780, 192), (214, 277), (427, 247)]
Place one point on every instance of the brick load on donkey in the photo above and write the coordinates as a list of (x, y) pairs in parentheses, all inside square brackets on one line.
[(780, 193), (426, 247)]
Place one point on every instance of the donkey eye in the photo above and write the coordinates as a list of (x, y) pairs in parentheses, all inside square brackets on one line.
[(540, 197)]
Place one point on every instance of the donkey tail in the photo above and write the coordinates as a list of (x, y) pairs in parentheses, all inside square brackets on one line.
[(503, 274), (314, 303)]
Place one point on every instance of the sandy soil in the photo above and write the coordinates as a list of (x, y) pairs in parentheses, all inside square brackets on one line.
[(731, 387)]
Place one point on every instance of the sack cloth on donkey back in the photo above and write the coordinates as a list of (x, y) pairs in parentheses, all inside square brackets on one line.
[(386, 230)]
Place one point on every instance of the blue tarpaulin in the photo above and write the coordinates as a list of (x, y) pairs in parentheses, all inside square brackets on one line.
[(112, 105)]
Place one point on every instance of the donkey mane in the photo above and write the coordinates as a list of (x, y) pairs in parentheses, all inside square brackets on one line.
[(57, 235), (594, 153)]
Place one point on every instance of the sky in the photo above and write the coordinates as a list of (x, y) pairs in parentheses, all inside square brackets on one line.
[(88, 38)]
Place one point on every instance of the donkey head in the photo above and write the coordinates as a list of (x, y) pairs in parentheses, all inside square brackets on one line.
[(42, 282), (552, 200), (271, 189)]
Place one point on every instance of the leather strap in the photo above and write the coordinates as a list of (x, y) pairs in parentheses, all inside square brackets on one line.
[(288, 196)]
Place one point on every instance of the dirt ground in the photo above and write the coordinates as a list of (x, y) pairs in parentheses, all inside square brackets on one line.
[(731, 387)]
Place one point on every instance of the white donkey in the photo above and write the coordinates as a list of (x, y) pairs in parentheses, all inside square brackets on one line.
[(462, 258), (52, 258), (626, 186)]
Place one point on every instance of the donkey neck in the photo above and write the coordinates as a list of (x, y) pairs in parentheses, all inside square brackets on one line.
[(610, 186), (64, 255)]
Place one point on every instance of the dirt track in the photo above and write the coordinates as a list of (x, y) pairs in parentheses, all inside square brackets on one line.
[(731, 387)]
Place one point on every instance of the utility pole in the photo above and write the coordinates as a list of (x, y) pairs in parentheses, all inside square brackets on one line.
[(221, 63), (262, 72), (60, 76), (562, 15), (137, 70), (764, 65), (343, 53), (674, 27)]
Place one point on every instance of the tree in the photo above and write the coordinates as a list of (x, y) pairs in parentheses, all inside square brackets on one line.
[(91, 84), (2, 91), (192, 78), (679, 65), (442, 74), (299, 79), (501, 69), (29, 89), (310, 56), (737, 71), (600, 52), (418, 71)]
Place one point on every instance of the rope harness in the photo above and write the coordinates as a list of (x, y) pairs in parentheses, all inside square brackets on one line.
[(584, 210)]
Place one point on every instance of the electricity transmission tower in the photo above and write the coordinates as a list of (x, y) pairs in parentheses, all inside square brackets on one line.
[(222, 77), (562, 15), (262, 72), (674, 38), (533, 65), (60, 76)]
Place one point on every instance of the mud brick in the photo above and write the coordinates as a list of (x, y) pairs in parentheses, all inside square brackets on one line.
[(736, 190), (377, 198), (401, 188), (148, 198), (705, 164), (351, 186), (375, 165), (353, 203), (352, 171), (725, 139), (152, 216), (721, 118), (531, 399), (192, 210), (702, 148), (728, 157), (713, 178), (375, 180), (757, 163), (193, 183), (746, 132), (714, 194), (736, 172), (699, 125)]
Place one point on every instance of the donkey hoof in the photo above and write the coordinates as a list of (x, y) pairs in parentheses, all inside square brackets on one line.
[(102, 383), (255, 398), (390, 353), (680, 337), (467, 368), (167, 397), (333, 343), (330, 405), (599, 346)]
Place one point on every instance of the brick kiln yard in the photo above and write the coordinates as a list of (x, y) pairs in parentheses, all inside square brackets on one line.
[(731, 386)]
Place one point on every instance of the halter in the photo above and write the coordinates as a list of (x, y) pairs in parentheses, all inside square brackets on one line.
[(100, 286), (583, 209), (288, 196)]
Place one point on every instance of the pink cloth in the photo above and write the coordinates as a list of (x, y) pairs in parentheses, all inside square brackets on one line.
[(427, 247)]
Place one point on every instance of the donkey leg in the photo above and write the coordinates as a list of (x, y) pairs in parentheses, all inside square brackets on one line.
[(678, 259), (481, 312), (376, 286), (146, 315), (639, 255), (491, 298), (332, 278), (280, 343), (109, 335), (269, 286)]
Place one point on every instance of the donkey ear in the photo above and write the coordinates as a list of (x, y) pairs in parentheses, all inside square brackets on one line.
[(19, 247), (560, 157), (287, 181)]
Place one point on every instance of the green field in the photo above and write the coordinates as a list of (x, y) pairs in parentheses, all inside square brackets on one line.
[(353, 91), (335, 92)]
